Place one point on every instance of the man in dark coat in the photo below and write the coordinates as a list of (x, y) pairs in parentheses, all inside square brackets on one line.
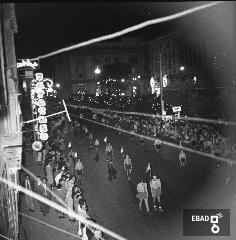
[(44, 192)]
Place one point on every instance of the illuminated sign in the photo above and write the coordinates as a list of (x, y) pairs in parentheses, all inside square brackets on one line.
[(176, 109), (26, 63)]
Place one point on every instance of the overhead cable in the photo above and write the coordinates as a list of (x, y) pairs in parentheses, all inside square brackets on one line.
[(226, 160), (129, 30), (196, 119)]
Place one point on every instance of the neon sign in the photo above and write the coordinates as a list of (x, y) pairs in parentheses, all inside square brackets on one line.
[(27, 63)]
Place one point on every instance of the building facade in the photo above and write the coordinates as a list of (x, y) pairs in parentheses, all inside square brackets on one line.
[(10, 123), (76, 70), (178, 58)]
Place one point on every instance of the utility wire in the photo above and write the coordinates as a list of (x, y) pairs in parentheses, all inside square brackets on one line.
[(62, 209), (5, 237), (195, 119), (129, 29), (49, 225)]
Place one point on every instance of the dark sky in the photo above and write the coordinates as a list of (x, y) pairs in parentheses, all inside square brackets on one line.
[(44, 27)]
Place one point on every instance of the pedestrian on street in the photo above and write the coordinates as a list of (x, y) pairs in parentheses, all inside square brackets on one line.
[(142, 141), (109, 153), (112, 172), (45, 192), (155, 185), (182, 158), (128, 166), (157, 145), (142, 195), (69, 199), (90, 138), (79, 168), (29, 185), (37, 189), (49, 174), (96, 144), (148, 171)]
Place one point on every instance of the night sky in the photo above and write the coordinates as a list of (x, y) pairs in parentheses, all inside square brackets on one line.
[(44, 27)]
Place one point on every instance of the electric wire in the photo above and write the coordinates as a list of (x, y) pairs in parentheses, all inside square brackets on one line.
[(62, 209), (5, 237), (196, 119), (129, 30), (48, 225), (51, 192), (227, 160)]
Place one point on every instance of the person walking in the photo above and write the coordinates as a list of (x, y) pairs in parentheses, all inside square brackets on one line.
[(142, 195), (182, 158), (157, 144), (148, 171), (79, 168), (29, 185), (44, 192), (109, 152), (69, 199), (96, 144), (155, 185), (128, 166)]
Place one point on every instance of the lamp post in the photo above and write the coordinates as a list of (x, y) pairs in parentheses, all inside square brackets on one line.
[(161, 88)]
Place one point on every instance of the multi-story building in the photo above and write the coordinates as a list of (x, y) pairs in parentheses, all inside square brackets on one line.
[(179, 59), (10, 125), (76, 69)]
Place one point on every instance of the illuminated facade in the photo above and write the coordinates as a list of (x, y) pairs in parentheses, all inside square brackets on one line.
[(178, 58), (77, 68)]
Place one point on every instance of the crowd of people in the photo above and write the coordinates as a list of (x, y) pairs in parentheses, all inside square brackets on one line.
[(62, 180), (206, 137)]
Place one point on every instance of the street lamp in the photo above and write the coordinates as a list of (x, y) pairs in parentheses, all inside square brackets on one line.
[(97, 70), (58, 85), (122, 80), (182, 68)]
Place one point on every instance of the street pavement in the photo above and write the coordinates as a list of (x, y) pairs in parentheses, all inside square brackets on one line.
[(114, 204)]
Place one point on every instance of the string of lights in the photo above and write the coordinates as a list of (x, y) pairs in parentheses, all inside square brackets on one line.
[(196, 119), (129, 30), (62, 209), (226, 160)]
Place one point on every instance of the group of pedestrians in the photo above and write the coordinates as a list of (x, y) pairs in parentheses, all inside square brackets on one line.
[(62, 181)]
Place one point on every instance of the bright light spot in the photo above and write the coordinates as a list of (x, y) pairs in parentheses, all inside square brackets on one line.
[(122, 80), (182, 68), (138, 76), (97, 71), (165, 81), (98, 83), (122, 94), (194, 79), (58, 85)]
